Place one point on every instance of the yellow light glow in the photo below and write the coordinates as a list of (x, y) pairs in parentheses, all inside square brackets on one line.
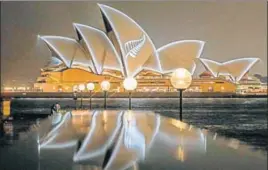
[(181, 78), (130, 84), (180, 154), (75, 88), (105, 118), (178, 124), (6, 108), (90, 86), (81, 87), (8, 89), (105, 85)]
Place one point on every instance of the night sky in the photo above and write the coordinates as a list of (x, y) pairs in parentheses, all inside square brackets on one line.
[(230, 30)]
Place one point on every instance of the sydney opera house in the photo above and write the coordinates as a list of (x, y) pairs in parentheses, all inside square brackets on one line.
[(123, 50)]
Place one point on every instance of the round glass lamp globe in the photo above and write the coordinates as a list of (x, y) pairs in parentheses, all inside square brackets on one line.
[(90, 86), (181, 78), (130, 83), (105, 85), (81, 87), (75, 88)]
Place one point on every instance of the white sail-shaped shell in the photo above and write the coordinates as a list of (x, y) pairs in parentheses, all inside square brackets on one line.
[(236, 68), (68, 50), (180, 54), (100, 48), (132, 40)]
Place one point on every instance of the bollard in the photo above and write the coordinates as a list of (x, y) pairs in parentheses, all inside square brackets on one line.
[(5, 109)]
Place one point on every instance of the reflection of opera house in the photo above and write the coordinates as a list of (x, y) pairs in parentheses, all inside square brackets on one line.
[(125, 50)]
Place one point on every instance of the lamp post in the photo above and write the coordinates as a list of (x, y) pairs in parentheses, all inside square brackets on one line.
[(130, 84), (105, 86), (75, 95), (90, 87), (181, 79), (81, 89)]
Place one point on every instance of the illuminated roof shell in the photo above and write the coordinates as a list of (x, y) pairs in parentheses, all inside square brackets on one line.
[(135, 45), (180, 54), (68, 50), (236, 68), (100, 48)]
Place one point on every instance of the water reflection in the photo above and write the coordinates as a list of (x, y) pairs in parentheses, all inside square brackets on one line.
[(120, 140), (7, 133), (116, 140)]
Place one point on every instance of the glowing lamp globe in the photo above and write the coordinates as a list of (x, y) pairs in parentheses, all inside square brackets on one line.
[(75, 88), (181, 78), (90, 86), (130, 84), (105, 85), (81, 87)]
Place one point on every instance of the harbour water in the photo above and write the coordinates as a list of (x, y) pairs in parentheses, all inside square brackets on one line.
[(241, 118), (244, 119)]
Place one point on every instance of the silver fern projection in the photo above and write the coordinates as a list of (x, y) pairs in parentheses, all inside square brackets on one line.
[(133, 47)]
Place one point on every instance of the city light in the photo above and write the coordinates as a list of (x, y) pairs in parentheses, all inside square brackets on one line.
[(130, 84), (181, 79), (105, 86), (90, 86), (75, 88), (81, 87)]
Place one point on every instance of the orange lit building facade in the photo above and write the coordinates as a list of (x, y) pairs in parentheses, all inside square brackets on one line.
[(148, 81)]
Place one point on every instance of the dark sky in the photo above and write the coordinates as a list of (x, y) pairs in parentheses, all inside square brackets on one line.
[(230, 29)]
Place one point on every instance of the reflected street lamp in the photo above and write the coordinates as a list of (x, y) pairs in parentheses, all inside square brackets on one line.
[(181, 79), (81, 89), (105, 86), (90, 87), (130, 84)]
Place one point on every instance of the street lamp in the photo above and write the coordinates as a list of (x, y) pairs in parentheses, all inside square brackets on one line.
[(75, 87), (130, 84), (181, 79), (105, 86), (81, 89), (90, 87)]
